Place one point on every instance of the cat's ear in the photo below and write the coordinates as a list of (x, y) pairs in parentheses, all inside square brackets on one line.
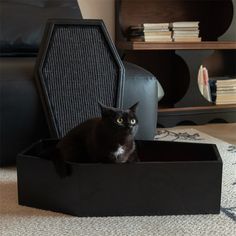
[(104, 109), (134, 107)]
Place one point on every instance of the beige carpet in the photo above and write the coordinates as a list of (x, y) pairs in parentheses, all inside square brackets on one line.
[(18, 220)]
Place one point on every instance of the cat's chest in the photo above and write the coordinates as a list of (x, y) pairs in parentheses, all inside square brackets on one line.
[(119, 151)]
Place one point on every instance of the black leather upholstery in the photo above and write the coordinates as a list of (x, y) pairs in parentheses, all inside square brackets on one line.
[(22, 22), (141, 85), (21, 115), (22, 25)]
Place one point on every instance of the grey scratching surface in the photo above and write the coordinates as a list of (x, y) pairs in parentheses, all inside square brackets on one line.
[(79, 70)]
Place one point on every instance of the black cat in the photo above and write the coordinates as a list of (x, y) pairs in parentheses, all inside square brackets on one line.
[(109, 139)]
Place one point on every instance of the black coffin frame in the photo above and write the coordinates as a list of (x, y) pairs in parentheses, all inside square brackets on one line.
[(171, 178), (42, 57)]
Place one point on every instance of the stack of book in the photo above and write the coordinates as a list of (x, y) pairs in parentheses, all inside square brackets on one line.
[(157, 32), (186, 31), (226, 91)]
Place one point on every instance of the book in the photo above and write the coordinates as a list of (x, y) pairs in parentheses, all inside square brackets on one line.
[(200, 80), (185, 28), (134, 30), (156, 30), (186, 33), (212, 84), (135, 33), (187, 39), (158, 39), (203, 83), (225, 98), (225, 90), (226, 93), (225, 102), (157, 33), (226, 82), (136, 27), (183, 24), (156, 25)]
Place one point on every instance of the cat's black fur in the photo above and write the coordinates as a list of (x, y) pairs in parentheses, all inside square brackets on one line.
[(109, 139)]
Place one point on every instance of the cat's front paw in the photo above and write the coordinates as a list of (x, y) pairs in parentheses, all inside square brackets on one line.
[(133, 157)]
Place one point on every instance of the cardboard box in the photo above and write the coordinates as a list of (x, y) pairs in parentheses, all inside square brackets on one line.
[(171, 178)]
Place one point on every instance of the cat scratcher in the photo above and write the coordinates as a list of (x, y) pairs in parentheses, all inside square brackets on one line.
[(77, 66)]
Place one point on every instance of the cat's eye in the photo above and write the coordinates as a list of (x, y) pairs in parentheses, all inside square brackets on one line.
[(119, 120), (133, 121)]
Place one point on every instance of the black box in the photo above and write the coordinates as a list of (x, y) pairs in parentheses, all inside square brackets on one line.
[(171, 178)]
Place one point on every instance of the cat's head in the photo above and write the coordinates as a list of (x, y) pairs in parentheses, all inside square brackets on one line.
[(123, 120)]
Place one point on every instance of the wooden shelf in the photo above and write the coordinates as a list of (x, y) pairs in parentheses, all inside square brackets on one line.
[(170, 117), (199, 108), (214, 45)]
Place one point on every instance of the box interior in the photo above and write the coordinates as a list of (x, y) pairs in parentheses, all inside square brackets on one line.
[(162, 151), (148, 151)]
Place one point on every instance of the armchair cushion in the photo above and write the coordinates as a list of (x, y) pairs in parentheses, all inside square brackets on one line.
[(142, 86), (21, 115), (22, 23)]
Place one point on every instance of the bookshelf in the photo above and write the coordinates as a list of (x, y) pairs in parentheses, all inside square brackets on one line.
[(176, 64), (214, 45)]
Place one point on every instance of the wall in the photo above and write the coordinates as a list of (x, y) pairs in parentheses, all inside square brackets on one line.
[(100, 9)]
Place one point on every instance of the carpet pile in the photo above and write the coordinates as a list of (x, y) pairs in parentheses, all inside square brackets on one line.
[(16, 220)]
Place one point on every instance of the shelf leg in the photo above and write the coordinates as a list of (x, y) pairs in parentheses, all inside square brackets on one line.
[(193, 59)]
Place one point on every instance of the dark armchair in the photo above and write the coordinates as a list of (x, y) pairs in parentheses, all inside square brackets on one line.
[(22, 26)]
